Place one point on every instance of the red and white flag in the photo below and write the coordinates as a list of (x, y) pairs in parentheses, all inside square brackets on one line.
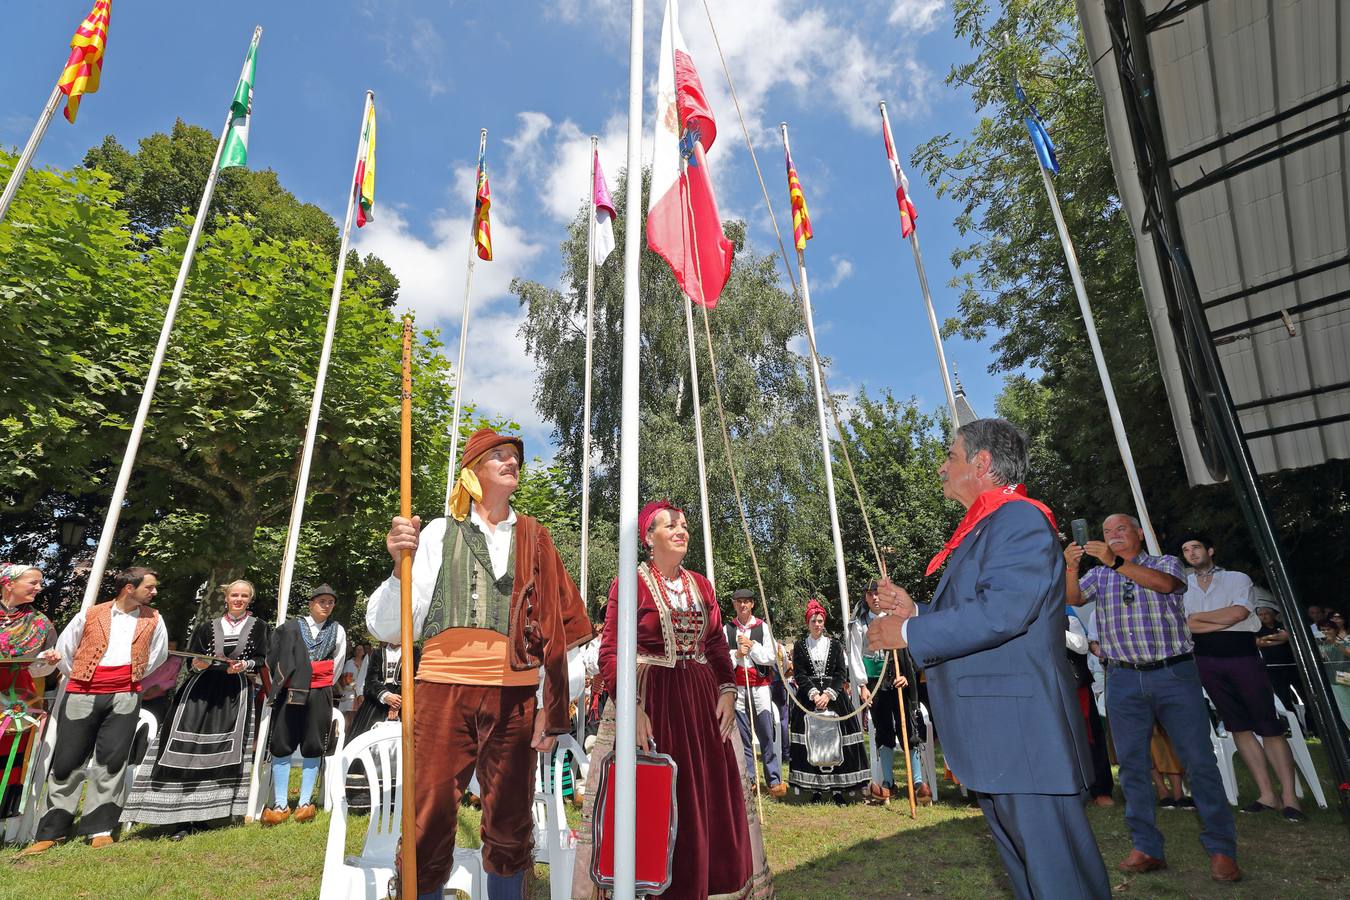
[(603, 243), (683, 226), (908, 214)]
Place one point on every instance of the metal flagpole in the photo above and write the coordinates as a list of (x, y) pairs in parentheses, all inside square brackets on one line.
[(586, 401), (29, 151), (817, 378), (927, 296), (463, 341), (311, 429), (625, 734), (1112, 408), (698, 444), (119, 494)]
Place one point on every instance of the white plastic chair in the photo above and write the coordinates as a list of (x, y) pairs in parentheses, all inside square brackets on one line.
[(260, 786), (367, 874), (1303, 764), (148, 723), (928, 755), (555, 843)]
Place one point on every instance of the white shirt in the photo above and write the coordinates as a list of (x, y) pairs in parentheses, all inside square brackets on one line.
[(229, 627), (1225, 589), (761, 654), (819, 651), (1076, 638), (498, 538), (121, 630), (383, 615), (339, 649)]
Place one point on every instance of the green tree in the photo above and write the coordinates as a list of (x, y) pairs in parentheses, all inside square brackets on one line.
[(768, 400), (1014, 285)]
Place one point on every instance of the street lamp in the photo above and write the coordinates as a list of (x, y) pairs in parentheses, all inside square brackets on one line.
[(70, 538)]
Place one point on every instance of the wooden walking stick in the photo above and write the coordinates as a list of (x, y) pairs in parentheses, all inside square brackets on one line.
[(904, 734), (408, 842)]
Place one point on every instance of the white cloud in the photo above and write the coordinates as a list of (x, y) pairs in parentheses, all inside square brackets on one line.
[(916, 16), (843, 270)]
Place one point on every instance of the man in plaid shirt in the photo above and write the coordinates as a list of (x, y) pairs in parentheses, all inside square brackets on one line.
[(1151, 673)]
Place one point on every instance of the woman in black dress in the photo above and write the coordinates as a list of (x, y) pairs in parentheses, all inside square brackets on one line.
[(203, 756), (818, 661)]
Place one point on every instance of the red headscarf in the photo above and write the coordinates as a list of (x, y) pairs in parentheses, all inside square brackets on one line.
[(648, 513), (813, 607)]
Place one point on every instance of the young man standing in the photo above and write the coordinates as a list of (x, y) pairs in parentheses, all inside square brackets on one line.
[(1221, 614), (492, 606), (104, 652), (752, 648)]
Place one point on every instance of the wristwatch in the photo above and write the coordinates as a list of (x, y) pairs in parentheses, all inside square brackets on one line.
[(1120, 561)]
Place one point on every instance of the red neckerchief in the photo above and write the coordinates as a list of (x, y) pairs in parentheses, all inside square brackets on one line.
[(985, 504)]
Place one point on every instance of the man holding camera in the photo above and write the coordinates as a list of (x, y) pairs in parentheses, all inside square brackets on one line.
[(1151, 673)]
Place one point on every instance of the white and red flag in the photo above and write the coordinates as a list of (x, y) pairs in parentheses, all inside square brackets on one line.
[(908, 214), (683, 226), (603, 243)]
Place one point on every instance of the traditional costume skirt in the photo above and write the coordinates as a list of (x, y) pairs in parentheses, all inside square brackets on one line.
[(20, 712), (202, 757), (855, 770), (719, 849)]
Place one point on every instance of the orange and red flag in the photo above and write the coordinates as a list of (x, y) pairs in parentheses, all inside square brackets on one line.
[(482, 225), (801, 219)]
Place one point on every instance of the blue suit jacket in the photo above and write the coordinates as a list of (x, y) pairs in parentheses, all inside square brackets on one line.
[(1003, 697)]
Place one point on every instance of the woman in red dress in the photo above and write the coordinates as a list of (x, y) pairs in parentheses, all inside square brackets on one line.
[(24, 633), (686, 708)]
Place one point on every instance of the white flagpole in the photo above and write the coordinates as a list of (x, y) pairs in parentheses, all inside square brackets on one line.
[(586, 401), (1113, 409), (927, 297), (818, 379), (625, 733), (450, 473), (29, 151), (312, 428), (119, 494), (698, 444)]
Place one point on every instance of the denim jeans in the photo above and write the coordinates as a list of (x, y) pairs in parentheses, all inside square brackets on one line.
[(1171, 694)]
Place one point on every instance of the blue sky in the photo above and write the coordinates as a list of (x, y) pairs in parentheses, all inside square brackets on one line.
[(541, 78)]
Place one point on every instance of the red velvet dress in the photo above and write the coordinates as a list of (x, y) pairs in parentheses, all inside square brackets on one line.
[(683, 664)]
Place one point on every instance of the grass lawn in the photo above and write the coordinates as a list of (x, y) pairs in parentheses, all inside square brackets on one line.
[(856, 852)]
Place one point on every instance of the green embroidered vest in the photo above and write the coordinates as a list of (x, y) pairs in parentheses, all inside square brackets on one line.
[(466, 595)]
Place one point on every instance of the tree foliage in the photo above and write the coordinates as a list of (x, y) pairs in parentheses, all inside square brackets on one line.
[(1014, 285)]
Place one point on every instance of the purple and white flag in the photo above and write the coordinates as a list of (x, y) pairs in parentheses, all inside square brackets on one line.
[(603, 244)]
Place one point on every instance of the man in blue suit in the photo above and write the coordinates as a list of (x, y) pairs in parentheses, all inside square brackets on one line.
[(992, 644)]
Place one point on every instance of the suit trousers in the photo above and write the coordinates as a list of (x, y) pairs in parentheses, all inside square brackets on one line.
[(1047, 845), (457, 728), (1171, 695), (93, 742)]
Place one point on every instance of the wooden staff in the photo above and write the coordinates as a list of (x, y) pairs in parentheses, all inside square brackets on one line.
[(408, 874), (904, 718)]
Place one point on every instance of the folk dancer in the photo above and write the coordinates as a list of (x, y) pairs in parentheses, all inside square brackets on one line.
[(492, 605), (201, 763), (105, 651), (752, 657), (304, 658)]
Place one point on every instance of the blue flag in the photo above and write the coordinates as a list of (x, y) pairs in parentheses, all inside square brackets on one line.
[(1040, 137)]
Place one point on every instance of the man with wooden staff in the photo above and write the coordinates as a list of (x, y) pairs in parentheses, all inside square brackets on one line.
[(992, 645), (492, 606)]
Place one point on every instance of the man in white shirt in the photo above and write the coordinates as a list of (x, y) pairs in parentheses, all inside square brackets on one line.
[(752, 648), (104, 652), (1221, 615)]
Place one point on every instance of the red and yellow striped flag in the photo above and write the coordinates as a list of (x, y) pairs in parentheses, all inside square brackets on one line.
[(801, 219), (85, 64), (482, 225)]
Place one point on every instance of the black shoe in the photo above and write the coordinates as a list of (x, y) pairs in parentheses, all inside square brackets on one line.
[(1167, 803), (1256, 806), (1186, 803), (1294, 815), (180, 834), (816, 798), (839, 799)]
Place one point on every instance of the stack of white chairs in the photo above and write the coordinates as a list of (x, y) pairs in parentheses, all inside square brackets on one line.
[(1303, 764), (555, 843), (367, 874), (928, 755)]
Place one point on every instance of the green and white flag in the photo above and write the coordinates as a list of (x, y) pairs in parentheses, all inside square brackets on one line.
[(236, 140)]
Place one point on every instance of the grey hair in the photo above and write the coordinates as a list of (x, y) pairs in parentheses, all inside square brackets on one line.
[(1138, 526), (1005, 443)]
